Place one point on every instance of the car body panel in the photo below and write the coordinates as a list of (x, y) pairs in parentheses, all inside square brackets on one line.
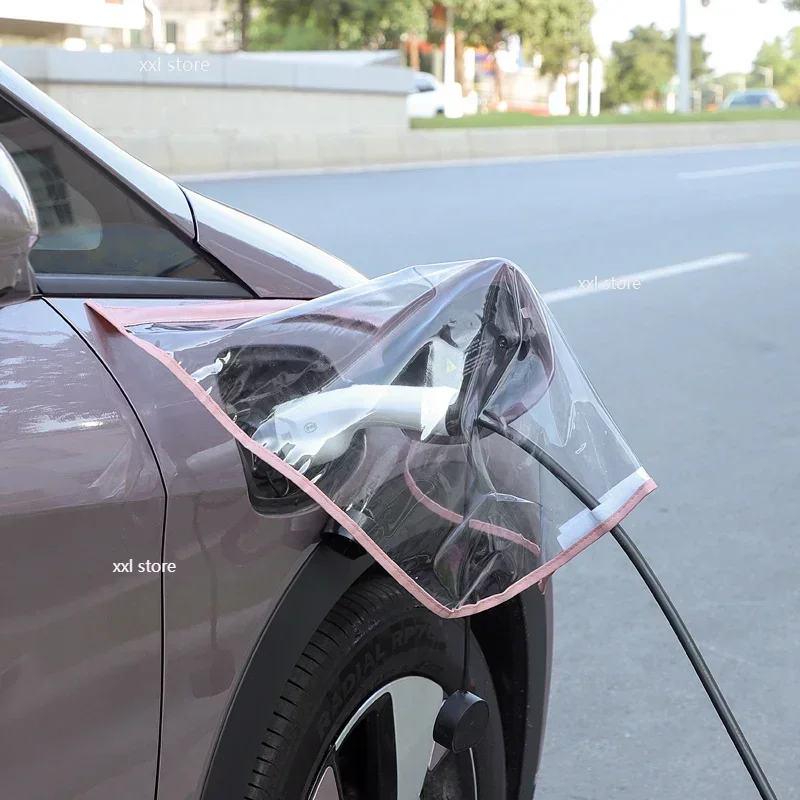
[(235, 566), (432, 98), (428, 99), (80, 646), (272, 262), (315, 588), (232, 563)]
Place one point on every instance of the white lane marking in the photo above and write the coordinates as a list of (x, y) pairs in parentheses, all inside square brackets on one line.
[(571, 292), (771, 166)]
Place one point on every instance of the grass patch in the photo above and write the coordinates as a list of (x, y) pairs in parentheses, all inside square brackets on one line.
[(515, 119)]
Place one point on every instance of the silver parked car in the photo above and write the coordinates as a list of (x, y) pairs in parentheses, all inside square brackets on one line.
[(175, 622)]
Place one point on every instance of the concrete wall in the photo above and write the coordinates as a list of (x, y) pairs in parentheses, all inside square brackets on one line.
[(318, 150), (190, 112)]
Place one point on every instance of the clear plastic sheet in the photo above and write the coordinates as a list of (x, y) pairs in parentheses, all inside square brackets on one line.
[(374, 401)]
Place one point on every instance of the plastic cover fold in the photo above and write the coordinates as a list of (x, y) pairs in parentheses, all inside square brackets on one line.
[(382, 403)]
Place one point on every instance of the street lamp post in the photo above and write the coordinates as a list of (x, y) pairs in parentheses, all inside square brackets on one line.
[(684, 64)]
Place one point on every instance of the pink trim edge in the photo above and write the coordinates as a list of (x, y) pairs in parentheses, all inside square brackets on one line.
[(192, 312), (546, 570), (114, 317), (475, 524)]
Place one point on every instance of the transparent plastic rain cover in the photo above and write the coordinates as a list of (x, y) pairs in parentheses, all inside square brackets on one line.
[(382, 403)]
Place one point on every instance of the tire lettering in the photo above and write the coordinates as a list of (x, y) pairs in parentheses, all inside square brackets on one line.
[(349, 684), (358, 673)]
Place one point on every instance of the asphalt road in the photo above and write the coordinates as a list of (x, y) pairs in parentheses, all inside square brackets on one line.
[(702, 373)]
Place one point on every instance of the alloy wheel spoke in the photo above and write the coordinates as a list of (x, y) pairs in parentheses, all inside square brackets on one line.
[(415, 704), (328, 786), (399, 748)]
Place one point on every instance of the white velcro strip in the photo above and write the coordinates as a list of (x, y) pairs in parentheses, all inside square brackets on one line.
[(573, 530)]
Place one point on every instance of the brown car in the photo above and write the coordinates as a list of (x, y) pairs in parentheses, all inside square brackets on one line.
[(174, 623)]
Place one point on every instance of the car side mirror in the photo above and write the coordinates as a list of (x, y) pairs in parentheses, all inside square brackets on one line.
[(19, 232)]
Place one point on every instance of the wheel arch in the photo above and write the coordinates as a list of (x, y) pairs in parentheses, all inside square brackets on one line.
[(316, 587), (516, 640), (511, 636)]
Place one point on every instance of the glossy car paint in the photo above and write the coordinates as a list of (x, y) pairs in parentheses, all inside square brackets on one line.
[(80, 646), (270, 261), (233, 563)]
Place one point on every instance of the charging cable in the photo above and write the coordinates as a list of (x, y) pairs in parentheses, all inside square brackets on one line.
[(659, 594)]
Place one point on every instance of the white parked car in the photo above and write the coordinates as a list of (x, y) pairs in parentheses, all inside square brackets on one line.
[(432, 98)]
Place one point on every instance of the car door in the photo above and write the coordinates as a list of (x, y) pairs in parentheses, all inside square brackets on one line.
[(81, 505), (233, 555)]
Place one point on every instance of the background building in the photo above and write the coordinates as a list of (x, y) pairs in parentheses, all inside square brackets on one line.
[(198, 25), (57, 21), (182, 25)]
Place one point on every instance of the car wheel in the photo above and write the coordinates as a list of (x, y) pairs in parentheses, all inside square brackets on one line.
[(355, 718)]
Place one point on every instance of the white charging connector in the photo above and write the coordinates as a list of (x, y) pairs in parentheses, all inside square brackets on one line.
[(318, 428)]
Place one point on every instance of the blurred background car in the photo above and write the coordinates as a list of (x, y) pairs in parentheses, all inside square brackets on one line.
[(754, 98), (431, 98)]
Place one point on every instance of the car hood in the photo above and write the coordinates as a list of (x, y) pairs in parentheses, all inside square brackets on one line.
[(272, 262)]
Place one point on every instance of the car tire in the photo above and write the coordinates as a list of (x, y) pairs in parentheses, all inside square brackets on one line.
[(378, 649)]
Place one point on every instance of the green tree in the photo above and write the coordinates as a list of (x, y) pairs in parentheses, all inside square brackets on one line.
[(267, 34), (639, 66), (558, 29), (645, 62), (240, 13), (775, 56), (245, 15), (793, 42), (792, 5), (699, 55), (350, 23), (782, 56)]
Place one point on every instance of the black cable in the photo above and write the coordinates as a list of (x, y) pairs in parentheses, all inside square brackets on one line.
[(465, 676), (661, 597)]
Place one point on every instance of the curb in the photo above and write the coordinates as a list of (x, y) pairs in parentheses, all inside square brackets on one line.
[(470, 162)]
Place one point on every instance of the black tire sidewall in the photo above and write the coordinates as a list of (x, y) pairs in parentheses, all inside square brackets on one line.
[(402, 639)]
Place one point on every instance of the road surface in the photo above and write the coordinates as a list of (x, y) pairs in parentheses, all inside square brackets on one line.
[(700, 368)]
